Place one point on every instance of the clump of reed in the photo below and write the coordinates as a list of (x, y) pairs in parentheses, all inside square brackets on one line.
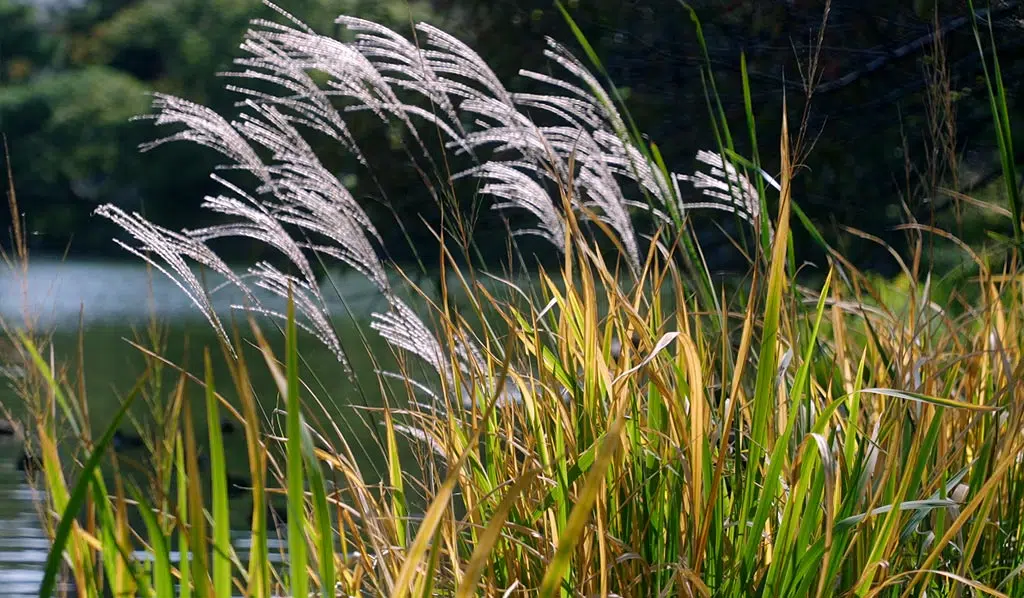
[(623, 427)]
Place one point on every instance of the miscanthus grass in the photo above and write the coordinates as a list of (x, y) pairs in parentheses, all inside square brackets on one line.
[(619, 428)]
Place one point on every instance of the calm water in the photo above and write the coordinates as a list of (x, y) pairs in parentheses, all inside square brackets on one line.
[(113, 300), (23, 544)]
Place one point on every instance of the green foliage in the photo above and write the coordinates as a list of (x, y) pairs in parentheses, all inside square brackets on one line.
[(65, 131), (632, 479), (649, 49), (614, 435), (70, 124), (24, 46)]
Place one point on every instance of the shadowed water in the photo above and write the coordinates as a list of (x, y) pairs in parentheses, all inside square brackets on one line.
[(112, 302), (23, 543)]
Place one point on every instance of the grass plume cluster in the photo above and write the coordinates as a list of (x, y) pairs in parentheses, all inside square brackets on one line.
[(622, 428)]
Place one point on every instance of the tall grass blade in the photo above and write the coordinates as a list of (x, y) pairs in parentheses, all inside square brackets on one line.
[(90, 470), (184, 540), (221, 512), (764, 400), (199, 541), (485, 543), (321, 514), (163, 582), (259, 562), (398, 504), (999, 108), (581, 512), (432, 518), (297, 559)]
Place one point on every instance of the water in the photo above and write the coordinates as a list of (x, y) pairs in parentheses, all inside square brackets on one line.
[(23, 543), (55, 293), (109, 302)]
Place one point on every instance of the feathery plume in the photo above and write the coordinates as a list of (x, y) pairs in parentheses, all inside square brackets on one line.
[(518, 189), (582, 148), (730, 189), (169, 253), (205, 127)]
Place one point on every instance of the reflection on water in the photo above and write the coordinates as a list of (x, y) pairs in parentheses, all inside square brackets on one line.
[(56, 292), (23, 543), (110, 297)]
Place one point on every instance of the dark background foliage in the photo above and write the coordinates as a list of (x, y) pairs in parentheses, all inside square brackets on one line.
[(73, 75)]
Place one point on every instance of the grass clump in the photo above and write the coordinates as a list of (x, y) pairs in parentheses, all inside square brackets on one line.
[(624, 427)]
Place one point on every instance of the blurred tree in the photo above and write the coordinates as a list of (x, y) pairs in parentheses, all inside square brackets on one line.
[(80, 80), (878, 150), (870, 118), (65, 132), (24, 46)]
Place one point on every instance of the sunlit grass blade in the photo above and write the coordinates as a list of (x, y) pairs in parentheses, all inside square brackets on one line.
[(780, 446), (910, 505), (288, 385), (764, 400), (90, 469), (398, 505), (485, 543), (440, 503), (917, 397), (199, 542), (52, 385), (259, 565), (297, 559), (581, 512)]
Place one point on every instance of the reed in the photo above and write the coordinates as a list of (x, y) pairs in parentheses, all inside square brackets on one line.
[(624, 427)]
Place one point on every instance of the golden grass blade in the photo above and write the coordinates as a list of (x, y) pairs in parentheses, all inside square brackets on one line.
[(432, 518), (581, 512), (485, 543)]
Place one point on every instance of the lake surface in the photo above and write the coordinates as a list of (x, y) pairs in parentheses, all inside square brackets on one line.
[(111, 302)]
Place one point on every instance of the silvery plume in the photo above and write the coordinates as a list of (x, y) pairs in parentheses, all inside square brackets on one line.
[(562, 146)]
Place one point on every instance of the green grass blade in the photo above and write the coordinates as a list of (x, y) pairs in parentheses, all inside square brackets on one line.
[(67, 520), (297, 557), (578, 34), (481, 552), (581, 512), (163, 584), (259, 564), (1001, 120), (764, 386), (322, 515), (398, 505), (432, 518), (70, 408), (184, 544), (775, 466), (748, 106), (218, 470), (198, 539)]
